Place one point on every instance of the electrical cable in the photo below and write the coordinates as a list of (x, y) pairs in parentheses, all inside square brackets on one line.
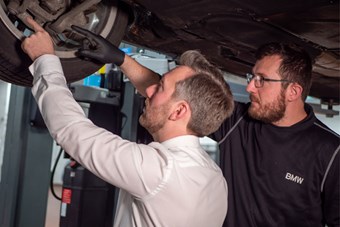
[(52, 175)]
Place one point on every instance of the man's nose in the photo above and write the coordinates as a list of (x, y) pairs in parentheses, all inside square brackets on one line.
[(150, 90), (251, 87)]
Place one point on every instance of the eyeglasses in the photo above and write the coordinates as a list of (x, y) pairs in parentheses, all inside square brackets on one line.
[(259, 80)]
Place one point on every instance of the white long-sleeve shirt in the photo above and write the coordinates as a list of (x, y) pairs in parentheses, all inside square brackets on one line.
[(174, 183)]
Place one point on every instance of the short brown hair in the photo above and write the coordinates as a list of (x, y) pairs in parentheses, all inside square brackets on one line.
[(296, 63), (206, 92)]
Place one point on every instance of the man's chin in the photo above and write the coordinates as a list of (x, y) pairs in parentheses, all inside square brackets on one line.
[(144, 122), (254, 113), (141, 120), (253, 108)]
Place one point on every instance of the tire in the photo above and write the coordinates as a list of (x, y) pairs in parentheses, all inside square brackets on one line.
[(14, 62)]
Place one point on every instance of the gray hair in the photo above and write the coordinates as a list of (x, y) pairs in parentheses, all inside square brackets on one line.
[(206, 92)]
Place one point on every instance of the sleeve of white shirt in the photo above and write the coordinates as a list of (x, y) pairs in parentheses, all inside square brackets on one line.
[(136, 168)]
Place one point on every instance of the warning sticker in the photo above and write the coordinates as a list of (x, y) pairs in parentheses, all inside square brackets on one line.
[(66, 195)]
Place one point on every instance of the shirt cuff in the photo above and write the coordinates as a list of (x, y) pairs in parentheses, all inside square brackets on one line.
[(44, 64)]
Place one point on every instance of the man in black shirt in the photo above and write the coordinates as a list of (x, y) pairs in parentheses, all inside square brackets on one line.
[(281, 163)]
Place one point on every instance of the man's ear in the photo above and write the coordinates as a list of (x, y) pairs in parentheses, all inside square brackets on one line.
[(294, 92), (180, 111)]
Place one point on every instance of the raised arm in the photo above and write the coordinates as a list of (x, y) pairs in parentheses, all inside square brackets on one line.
[(140, 76), (120, 162), (99, 49)]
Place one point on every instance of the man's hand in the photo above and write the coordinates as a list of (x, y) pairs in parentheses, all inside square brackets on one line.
[(39, 43), (98, 48)]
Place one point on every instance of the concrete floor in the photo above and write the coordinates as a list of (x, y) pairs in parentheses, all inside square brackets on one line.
[(53, 208)]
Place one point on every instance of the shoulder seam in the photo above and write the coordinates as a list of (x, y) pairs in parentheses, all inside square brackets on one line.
[(327, 129), (232, 129), (328, 167)]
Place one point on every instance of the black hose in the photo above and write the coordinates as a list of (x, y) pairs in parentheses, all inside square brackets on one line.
[(52, 174)]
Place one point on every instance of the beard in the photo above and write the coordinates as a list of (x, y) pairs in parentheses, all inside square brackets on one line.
[(153, 119), (269, 112)]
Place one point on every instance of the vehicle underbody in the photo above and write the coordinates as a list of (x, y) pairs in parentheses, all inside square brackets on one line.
[(228, 32)]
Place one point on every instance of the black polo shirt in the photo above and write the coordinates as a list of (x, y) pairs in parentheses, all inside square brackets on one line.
[(279, 176)]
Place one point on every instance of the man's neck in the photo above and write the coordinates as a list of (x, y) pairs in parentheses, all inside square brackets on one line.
[(293, 115), (169, 133)]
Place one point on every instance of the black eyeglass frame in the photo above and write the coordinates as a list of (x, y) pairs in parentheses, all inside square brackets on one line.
[(259, 80)]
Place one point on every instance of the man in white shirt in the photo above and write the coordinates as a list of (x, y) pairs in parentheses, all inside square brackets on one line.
[(170, 182)]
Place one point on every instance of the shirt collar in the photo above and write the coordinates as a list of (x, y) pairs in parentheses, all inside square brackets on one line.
[(180, 141)]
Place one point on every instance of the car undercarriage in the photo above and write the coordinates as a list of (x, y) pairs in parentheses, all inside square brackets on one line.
[(227, 32)]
